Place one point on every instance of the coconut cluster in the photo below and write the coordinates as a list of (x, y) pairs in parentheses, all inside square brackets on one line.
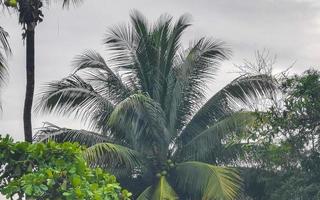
[(169, 165)]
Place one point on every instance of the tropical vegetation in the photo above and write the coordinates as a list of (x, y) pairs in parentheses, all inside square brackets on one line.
[(145, 106), (286, 152), (52, 171)]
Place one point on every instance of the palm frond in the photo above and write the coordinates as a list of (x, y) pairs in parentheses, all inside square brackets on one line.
[(174, 41), (161, 191), (53, 132), (101, 76), (147, 70), (143, 121), (65, 3), (159, 39), (4, 41), (172, 46), (73, 95), (113, 157), (244, 91), (198, 180), (3, 69), (121, 41), (147, 194), (212, 144), (193, 70), (5, 50), (129, 47)]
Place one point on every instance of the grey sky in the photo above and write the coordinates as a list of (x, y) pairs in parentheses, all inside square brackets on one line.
[(288, 28)]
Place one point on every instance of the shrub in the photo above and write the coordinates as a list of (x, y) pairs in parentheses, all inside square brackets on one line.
[(53, 171)]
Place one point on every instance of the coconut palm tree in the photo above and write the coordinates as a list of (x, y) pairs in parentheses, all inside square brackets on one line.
[(30, 15), (150, 123)]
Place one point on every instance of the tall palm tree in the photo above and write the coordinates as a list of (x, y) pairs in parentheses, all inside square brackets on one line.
[(153, 128), (30, 15)]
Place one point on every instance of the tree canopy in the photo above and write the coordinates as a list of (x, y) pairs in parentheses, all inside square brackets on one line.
[(52, 171)]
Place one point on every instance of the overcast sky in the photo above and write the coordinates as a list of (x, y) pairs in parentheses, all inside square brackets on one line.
[(288, 28)]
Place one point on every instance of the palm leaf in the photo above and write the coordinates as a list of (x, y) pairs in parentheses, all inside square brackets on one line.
[(122, 42), (195, 68), (4, 41), (58, 134), (142, 120), (198, 180), (146, 194), (174, 41), (5, 50), (114, 158), (161, 191), (99, 74), (171, 45), (210, 144), (66, 3), (73, 95), (245, 90)]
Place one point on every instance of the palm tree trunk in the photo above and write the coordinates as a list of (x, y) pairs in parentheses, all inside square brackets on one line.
[(30, 83)]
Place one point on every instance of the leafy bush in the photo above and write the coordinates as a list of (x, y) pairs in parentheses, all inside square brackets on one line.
[(53, 171)]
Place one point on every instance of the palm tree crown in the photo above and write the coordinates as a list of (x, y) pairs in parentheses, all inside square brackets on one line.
[(146, 103)]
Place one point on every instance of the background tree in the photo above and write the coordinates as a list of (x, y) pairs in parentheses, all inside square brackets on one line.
[(147, 105), (30, 15), (287, 151)]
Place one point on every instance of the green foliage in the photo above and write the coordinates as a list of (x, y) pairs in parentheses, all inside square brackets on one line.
[(53, 171), (291, 127), (287, 148), (162, 190)]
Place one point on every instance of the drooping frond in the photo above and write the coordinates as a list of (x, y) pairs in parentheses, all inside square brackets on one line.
[(146, 194), (3, 68), (65, 3), (72, 95), (244, 90), (193, 70), (143, 121), (105, 80), (4, 41), (161, 191), (4, 52), (58, 134), (113, 157), (199, 180), (212, 144), (122, 42)]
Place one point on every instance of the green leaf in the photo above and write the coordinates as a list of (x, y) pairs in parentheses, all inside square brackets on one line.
[(161, 191), (200, 180), (209, 143), (112, 156)]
